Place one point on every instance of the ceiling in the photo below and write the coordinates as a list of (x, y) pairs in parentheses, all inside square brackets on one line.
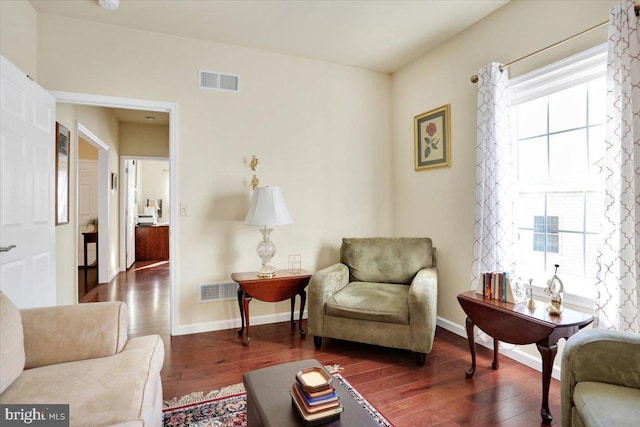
[(380, 35)]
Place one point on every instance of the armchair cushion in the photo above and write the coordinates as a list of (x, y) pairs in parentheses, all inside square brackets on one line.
[(378, 302), (386, 260), (601, 404)]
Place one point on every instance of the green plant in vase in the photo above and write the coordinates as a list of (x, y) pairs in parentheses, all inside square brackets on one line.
[(91, 224)]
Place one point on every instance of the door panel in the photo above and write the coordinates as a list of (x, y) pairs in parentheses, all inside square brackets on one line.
[(87, 205), (27, 216), (130, 213)]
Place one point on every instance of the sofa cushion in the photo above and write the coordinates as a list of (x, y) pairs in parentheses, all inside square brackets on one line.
[(601, 404), (102, 391), (378, 302), (386, 260), (12, 356)]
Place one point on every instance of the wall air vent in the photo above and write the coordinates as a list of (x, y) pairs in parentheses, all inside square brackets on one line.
[(219, 291), (219, 81)]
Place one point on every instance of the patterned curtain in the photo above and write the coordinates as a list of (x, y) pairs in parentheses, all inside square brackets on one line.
[(617, 288), (494, 230)]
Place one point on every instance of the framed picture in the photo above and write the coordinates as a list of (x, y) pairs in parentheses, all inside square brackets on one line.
[(62, 174), (432, 134)]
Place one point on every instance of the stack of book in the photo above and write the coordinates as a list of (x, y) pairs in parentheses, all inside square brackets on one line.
[(497, 285), (315, 398)]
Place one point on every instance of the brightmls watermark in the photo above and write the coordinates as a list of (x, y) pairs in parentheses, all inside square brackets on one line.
[(35, 415)]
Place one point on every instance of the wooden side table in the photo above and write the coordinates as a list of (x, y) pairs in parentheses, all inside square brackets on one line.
[(516, 324), (284, 285)]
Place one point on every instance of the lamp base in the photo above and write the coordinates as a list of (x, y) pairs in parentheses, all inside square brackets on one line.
[(266, 274)]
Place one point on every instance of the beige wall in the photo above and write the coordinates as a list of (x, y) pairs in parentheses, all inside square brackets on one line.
[(86, 151), (320, 130), (441, 202), (18, 35), (103, 124), (140, 139)]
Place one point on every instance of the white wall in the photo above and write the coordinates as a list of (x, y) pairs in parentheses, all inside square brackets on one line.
[(18, 35), (320, 130)]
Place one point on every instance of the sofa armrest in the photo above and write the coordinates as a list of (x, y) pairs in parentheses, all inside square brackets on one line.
[(423, 307), (598, 355), (323, 284), (73, 332)]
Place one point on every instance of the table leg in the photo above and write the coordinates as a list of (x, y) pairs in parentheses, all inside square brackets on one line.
[(303, 300), (472, 347), (495, 363), (247, 300), (548, 352), (293, 303), (86, 287), (241, 307)]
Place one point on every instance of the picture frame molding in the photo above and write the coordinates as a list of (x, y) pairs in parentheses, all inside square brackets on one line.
[(62, 194), (442, 114)]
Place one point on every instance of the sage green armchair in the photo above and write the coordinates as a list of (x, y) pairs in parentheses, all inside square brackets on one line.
[(600, 379), (384, 292)]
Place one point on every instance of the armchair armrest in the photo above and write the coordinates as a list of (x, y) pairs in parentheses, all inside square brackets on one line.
[(423, 300), (323, 284), (73, 332), (598, 355)]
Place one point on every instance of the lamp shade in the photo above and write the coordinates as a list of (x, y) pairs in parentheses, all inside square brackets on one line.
[(268, 208)]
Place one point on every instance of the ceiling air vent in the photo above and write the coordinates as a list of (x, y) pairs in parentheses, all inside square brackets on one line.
[(212, 80)]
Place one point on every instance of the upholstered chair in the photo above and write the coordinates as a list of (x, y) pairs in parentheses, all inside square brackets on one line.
[(600, 379), (384, 292)]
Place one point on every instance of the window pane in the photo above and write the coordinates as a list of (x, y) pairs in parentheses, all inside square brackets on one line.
[(569, 208), (530, 206), (597, 101), (570, 256), (596, 149), (567, 109), (568, 153), (532, 118), (528, 259), (532, 158)]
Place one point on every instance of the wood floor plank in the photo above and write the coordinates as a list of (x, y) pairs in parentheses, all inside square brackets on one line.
[(436, 394)]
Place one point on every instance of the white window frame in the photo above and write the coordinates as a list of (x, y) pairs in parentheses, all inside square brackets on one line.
[(574, 70)]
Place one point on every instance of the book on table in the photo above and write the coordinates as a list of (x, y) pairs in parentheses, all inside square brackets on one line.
[(320, 416)]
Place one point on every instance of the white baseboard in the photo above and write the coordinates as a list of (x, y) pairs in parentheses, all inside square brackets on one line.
[(221, 325), (534, 362)]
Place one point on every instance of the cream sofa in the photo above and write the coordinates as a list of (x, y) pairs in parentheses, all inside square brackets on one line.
[(384, 291), (80, 355), (600, 379)]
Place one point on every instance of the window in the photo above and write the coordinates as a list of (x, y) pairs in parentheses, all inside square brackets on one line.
[(545, 234), (559, 121)]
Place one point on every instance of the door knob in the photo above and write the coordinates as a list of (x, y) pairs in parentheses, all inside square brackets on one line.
[(6, 248)]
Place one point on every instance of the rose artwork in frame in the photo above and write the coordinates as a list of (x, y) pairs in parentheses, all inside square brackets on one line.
[(62, 174), (432, 138)]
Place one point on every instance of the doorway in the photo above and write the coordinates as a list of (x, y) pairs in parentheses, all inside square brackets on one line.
[(105, 179)]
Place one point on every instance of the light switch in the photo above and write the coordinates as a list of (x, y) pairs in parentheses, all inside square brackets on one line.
[(184, 209)]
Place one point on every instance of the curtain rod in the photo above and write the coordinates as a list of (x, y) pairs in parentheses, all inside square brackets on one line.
[(474, 78)]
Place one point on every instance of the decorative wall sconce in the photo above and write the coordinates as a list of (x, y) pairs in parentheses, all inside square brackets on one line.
[(254, 166)]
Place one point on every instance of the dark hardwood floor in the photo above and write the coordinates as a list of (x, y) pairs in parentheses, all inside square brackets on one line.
[(436, 394)]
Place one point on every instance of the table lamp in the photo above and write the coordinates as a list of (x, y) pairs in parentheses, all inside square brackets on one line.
[(267, 208)]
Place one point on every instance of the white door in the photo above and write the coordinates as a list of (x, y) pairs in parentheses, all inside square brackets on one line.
[(131, 211), (27, 188), (87, 205)]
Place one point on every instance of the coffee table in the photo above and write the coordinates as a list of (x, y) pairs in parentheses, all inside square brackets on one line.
[(269, 401)]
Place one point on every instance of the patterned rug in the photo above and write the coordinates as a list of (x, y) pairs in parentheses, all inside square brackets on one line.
[(227, 407)]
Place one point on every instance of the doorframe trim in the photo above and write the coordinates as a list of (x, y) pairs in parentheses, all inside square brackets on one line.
[(149, 105)]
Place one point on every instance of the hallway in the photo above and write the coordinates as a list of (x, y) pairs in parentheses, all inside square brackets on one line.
[(145, 289)]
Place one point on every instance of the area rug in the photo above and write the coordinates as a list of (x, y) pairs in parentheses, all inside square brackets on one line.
[(227, 407)]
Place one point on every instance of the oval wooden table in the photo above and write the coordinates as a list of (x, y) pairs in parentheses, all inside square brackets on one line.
[(516, 324), (284, 285)]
